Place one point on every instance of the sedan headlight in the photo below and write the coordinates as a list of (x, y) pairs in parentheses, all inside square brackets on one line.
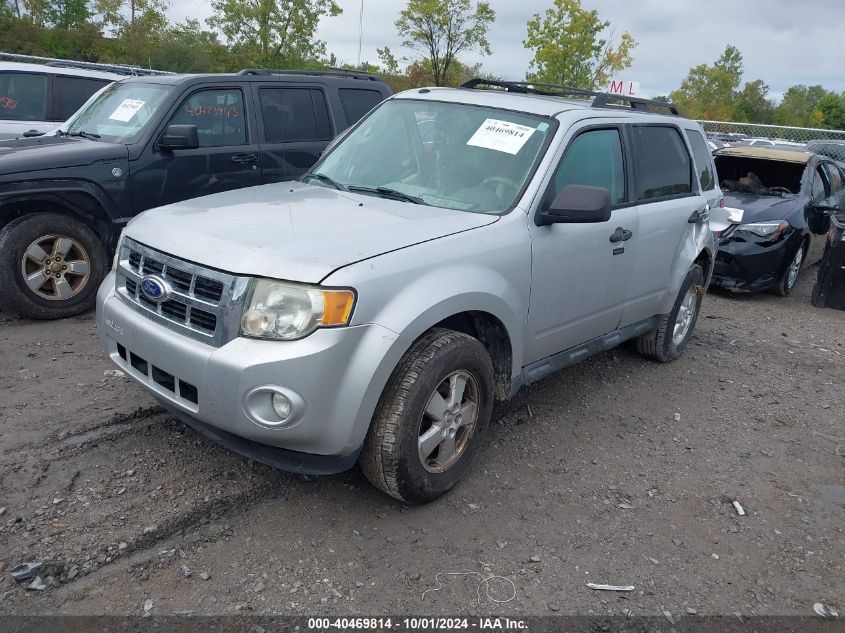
[(284, 311), (765, 229)]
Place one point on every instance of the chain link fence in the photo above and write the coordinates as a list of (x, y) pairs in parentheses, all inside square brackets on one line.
[(827, 142)]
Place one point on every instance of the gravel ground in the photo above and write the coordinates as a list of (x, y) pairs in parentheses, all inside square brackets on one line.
[(618, 470)]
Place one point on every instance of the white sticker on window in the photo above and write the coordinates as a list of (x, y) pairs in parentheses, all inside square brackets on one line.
[(126, 110), (502, 136)]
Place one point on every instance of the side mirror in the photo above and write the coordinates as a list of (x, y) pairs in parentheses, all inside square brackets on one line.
[(577, 204), (828, 205), (179, 137)]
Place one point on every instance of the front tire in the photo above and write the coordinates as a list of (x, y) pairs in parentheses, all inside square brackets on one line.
[(430, 418), (50, 266), (668, 341), (787, 280)]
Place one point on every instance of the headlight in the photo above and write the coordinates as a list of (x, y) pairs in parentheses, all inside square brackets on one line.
[(283, 311), (116, 258), (765, 229)]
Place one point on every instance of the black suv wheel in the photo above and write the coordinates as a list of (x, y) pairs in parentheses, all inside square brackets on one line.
[(50, 266)]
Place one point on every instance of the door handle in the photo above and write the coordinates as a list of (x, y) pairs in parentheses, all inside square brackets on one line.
[(244, 159), (700, 216), (621, 235)]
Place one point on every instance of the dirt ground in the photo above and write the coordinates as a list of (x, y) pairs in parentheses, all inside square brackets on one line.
[(618, 470)]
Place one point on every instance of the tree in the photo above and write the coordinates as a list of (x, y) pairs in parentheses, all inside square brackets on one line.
[(67, 13), (832, 108), (708, 92), (799, 107), (388, 60), (441, 30), (137, 24), (569, 47), (188, 48), (753, 105), (273, 32)]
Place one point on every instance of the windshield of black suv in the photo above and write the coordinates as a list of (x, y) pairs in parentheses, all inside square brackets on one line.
[(451, 155), (119, 113)]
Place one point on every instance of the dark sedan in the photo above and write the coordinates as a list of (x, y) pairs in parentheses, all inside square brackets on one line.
[(786, 198)]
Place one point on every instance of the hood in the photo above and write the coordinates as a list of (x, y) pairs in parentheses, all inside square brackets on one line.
[(762, 208), (291, 230), (55, 152)]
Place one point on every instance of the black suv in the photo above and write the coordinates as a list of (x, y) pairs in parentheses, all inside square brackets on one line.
[(146, 142)]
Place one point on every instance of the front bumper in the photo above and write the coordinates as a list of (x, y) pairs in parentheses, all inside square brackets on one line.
[(335, 372), (753, 266)]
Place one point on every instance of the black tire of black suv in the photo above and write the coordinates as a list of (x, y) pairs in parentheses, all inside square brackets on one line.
[(659, 344), (19, 235), (391, 458)]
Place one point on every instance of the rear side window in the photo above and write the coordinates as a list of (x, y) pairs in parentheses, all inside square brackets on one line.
[(663, 164), (23, 96), (356, 103), (218, 115), (703, 161), (294, 115), (70, 93), (593, 159)]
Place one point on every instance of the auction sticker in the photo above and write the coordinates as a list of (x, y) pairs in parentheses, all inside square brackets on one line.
[(501, 136), (126, 110)]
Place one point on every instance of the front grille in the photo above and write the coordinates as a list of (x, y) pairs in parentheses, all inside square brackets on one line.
[(151, 373), (200, 300)]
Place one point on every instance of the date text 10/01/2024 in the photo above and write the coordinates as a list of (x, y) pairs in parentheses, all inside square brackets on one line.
[(416, 624)]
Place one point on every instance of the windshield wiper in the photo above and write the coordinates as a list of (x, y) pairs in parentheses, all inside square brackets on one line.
[(89, 135), (387, 192), (326, 179)]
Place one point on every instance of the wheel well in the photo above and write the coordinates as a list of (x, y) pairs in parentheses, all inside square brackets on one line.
[(12, 210), (494, 336), (705, 262)]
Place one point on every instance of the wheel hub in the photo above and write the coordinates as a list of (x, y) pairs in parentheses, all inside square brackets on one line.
[(448, 422), (55, 267)]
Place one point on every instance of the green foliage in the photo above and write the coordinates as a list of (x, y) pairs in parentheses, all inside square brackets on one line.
[(570, 49), (800, 107), (832, 108), (388, 60), (752, 104), (708, 92), (273, 33), (67, 13), (441, 30)]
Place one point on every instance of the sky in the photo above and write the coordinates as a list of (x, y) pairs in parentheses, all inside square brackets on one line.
[(783, 42)]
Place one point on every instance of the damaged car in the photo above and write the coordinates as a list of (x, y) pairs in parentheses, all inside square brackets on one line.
[(783, 200)]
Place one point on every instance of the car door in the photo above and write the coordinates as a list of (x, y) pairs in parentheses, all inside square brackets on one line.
[(667, 208), (295, 129), (579, 271), (828, 187), (227, 156)]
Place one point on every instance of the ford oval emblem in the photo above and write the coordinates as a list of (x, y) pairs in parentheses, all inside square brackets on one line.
[(155, 288)]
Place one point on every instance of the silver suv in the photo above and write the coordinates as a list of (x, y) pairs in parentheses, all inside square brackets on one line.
[(453, 246)]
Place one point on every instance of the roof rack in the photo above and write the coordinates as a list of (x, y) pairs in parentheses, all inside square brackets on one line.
[(331, 72), (118, 69), (600, 99)]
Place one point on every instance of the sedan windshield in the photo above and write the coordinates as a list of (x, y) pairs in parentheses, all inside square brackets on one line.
[(119, 113), (450, 155)]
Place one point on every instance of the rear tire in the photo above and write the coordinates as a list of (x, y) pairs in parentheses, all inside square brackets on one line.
[(50, 266), (668, 341), (789, 277), (427, 427)]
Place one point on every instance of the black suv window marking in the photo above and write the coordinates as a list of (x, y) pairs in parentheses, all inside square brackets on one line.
[(294, 115), (703, 161), (594, 158), (218, 115), (663, 163)]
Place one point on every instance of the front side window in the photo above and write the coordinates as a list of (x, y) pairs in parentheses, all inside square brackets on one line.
[(703, 161), (593, 159), (663, 163), (820, 190), (121, 112), (834, 178), (294, 115), (467, 158), (218, 115), (23, 96), (69, 93)]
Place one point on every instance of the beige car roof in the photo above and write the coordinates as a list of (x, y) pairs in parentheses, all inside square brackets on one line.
[(767, 153)]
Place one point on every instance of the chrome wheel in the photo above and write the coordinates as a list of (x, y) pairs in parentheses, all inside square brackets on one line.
[(448, 422), (55, 267), (686, 313), (794, 269)]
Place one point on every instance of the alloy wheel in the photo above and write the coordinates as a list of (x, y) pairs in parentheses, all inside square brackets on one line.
[(55, 267), (448, 422)]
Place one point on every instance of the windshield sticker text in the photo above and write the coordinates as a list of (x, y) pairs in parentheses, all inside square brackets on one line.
[(126, 110), (501, 136)]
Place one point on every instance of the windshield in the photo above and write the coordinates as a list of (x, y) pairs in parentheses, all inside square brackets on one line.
[(448, 155), (120, 112)]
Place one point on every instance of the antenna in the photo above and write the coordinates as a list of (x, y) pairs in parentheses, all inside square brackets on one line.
[(360, 31)]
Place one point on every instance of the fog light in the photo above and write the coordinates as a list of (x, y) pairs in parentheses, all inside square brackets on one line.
[(281, 405)]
